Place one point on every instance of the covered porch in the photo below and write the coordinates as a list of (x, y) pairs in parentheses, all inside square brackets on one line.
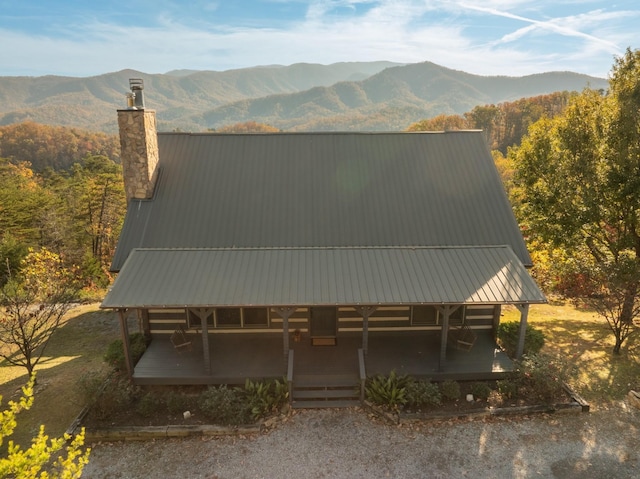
[(204, 281), (235, 357)]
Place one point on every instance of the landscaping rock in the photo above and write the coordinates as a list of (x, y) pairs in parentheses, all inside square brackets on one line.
[(634, 399)]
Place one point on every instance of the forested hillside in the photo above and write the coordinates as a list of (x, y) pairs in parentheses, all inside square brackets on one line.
[(391, 99), (77, 214), (55, 147), (90, 103), (302, 97), (504, 124), (62, 188)]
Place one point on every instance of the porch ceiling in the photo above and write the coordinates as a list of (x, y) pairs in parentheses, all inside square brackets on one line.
[(321, 276)]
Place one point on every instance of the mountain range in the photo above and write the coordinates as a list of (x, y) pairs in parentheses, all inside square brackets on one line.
[(366, 96)]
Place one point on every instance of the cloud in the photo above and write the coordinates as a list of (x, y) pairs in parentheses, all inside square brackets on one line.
[(512, 37), (566, 26)]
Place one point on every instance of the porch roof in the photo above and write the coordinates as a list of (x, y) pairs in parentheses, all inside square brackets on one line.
[(321, 276)]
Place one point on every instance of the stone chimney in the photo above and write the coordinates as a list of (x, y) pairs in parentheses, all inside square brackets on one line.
[(138, 145)]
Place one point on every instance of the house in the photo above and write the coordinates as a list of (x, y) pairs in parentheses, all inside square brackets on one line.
[(310, 255)]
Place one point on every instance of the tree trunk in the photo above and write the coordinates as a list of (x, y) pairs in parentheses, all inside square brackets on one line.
[(618, 345), (30, 367), (626, 316)]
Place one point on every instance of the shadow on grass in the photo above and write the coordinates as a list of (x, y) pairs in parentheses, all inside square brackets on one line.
[(76, 348), (587, 346)]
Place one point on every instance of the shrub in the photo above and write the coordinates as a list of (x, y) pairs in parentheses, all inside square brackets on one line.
[(540, 377), (508, 338), (264, 397), (450, 390), (115, 351), (224, 406), (388, 391), (90, 385), (423, 393), (177, 402), (507, 388), (481, 390), (106, 396), (149, 404)]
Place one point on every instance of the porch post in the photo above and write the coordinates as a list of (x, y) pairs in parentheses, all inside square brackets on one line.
[(365, 312), (145, 327), (524, 314), (126, 344), (446, 312), (205, 343), (202, 313), (285, 335), (285, 313)]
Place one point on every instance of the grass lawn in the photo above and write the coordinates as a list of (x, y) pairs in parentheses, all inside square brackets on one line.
[(76, 348), (586, 342)]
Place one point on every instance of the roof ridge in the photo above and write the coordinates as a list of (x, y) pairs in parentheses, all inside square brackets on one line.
[(324, 248)]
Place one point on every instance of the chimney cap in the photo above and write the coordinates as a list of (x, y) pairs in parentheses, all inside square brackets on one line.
[(136, 84), (135, 99)]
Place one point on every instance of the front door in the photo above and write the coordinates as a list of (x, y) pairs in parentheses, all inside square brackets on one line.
[(323, 325)]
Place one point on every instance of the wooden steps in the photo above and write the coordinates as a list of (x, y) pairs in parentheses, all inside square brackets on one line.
[(325, 391), (322, 404)]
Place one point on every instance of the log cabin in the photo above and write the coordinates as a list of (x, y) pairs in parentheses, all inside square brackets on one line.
[(322, 257)]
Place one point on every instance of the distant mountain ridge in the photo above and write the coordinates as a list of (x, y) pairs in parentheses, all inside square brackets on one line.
[(342, 96)]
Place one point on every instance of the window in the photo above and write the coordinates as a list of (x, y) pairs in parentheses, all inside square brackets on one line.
[(228, 317), (253, 317), (457, 317), (194, 322), (424, 316)]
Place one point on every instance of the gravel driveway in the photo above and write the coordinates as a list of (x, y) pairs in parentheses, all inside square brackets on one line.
[(346, 443)]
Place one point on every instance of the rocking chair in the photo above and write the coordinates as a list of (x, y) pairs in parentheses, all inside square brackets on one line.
[(462, 337), (180, 340)]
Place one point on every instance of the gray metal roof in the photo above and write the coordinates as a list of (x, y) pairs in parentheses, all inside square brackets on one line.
[(290, 190), (321, 276)]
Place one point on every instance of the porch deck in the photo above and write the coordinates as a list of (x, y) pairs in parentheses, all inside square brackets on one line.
[(237, 357), (418, 354)]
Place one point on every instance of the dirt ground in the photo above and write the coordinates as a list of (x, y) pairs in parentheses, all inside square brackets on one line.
[(161, 416), (348, 443)]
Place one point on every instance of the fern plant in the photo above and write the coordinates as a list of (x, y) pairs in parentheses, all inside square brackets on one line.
[(264, 397), (388, 391)]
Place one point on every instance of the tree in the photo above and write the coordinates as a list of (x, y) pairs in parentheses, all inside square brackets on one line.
[(578, 188), (21, 200), (12, 252), (56, 147), (486, 118), (609, 285), (29, 463), (96, 200), (440, 123), (85, 220), (248, 127), (34, 303)]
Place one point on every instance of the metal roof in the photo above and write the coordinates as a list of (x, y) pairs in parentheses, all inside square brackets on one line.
[(321, 276), (322, 190)]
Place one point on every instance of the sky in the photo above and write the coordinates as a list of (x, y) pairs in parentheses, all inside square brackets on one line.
[(83, 38)]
